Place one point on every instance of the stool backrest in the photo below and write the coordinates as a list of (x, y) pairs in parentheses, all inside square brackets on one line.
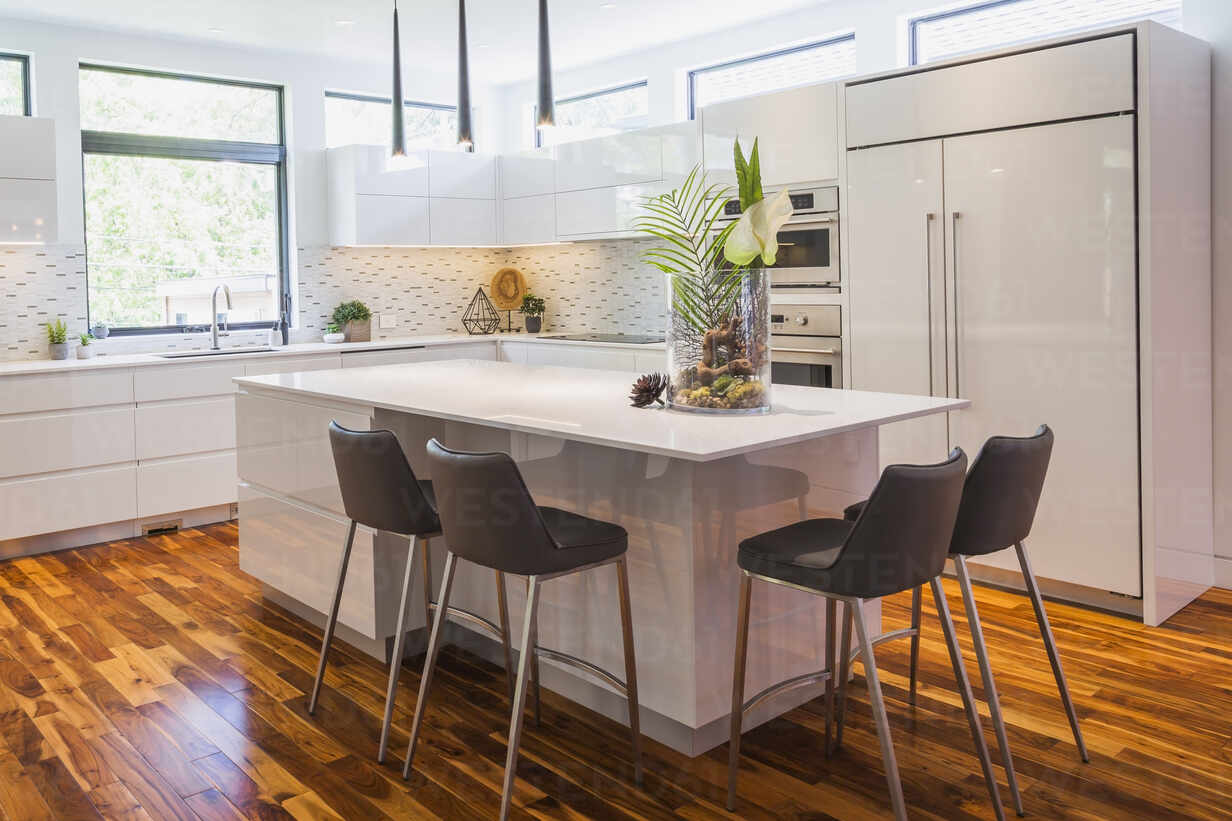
[(379, 490), (903, 535), (488, 515), (1002, 493)]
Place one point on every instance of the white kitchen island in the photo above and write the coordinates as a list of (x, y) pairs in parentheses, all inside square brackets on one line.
[(688, 487)]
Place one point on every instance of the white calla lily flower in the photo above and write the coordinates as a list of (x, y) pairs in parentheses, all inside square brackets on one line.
[(757, 231)]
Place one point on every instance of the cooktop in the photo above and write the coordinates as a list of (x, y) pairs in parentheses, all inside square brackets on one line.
[(627, 339)]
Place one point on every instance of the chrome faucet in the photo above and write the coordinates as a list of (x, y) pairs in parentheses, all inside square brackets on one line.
[(214, 316)]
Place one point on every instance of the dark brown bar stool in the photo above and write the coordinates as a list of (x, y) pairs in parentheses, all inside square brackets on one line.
[(898, 544), (999, 500), (380, 491), (491, 520)]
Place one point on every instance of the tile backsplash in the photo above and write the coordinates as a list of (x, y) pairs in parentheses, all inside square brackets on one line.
[(599, 286)]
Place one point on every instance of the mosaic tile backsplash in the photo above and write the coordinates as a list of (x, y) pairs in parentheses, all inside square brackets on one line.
[(600, 286)]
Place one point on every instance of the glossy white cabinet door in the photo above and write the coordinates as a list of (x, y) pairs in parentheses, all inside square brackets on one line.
[(192, 426), (1042, 268), (581, 356), (375, 172), (617, 159), (292, 364), (185, 483), (28, 210), (386, 220), (528, 220), (462, 175), (601, 210), (64, 501), (797, 133), (462, 222), (63, 441), (529, 174), (78, 389), (186, 381), (896, 270), (27, 148)]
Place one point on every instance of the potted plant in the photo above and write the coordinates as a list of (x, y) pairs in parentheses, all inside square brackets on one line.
[(334, 334), (57, 339), (86, 351), (100, 330), (355, 320), (533, 308)]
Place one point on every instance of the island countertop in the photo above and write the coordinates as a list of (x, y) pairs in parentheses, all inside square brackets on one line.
[(591, 406)]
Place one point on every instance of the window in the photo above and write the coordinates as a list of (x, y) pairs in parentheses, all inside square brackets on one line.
[(185, 190), (356, 119), (798, 65), (610, 111), (14, 84), (999, 23)]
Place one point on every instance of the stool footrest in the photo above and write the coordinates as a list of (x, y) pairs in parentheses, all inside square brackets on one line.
[(586, 666), (816, 677), (479, 621), (905, 633)]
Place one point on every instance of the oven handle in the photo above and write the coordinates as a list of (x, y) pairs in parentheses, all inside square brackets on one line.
[(818, 351)]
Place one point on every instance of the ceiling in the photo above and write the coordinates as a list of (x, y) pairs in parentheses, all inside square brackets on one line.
[(502, 32)]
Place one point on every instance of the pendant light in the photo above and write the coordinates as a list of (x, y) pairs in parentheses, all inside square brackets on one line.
[(399, 126), (466, 139), (547, 103)]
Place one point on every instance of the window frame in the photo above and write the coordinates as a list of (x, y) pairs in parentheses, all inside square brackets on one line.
[(590, 95), (27, 109), (691, 79), (119, 143)]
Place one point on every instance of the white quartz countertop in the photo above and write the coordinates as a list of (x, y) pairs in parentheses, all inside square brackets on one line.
[(102, 361), (592, 406)]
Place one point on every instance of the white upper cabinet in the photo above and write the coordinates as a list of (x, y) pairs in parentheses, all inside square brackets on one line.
[(528, 220), (797, 133), (529, 174), (1058, 83), (600, 211), (603, 162), (462, 175), (27, 148), (28, 179), (382, 220), (462, 221)]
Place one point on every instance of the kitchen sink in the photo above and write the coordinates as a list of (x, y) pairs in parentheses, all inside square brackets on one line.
[(223, 352)]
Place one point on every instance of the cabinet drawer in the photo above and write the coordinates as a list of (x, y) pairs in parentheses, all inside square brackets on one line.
[(29, 507), (82, 389), (293, 364), (63, 441), (175, 428), (171, 485), (185, 382), (463, 350), (568, 356), (364, 359)]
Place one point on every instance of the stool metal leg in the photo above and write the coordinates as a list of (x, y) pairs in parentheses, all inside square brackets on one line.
[(427, 583), (917, 601), (395, 661), (502, 603), (964, 687), (737, 710), (626, 626), (332, 621), (1050, 643), (879, 713), (534, 670), (525, 663), (990, 686), (831, 636), (844, 672), (434, 646)]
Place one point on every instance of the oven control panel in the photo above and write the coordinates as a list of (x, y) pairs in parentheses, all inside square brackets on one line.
[(806, 320)]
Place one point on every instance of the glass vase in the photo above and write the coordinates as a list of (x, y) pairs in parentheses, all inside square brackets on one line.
[(718, 342)]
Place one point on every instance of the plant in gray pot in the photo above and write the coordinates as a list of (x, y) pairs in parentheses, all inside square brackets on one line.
[(100, 330), (87, 350), (57, 339), (533, 308), (355, 320)]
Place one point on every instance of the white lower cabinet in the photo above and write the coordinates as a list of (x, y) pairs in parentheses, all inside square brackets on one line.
[(65, 501), (63, 441), (185, 381), (399, 356), (291, 364), (185, 483), (179, 427)]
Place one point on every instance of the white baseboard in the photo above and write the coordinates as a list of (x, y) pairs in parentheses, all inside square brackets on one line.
[(1223, 572)]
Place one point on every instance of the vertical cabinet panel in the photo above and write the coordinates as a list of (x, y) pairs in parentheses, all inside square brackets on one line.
[(458, 174), (388, 220), (463, 222), (529, 174), (528, 220)]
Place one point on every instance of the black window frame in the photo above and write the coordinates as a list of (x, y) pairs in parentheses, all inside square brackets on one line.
[(27, 109), (590, 95), (691, 79), (187, 148)]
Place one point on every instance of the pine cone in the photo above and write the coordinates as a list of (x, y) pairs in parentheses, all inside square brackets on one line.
[(647, 389)]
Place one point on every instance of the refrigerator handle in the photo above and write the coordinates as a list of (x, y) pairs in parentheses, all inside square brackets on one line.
[(928, 276), (954, 239)]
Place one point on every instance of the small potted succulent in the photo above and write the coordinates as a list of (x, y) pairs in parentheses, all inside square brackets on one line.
[(57, 339), (533, 308), (86, 351), (355, 320), (100, 330), (333, 334)]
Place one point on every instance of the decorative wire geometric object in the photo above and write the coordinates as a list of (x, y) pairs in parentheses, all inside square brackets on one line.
[(480, 317)]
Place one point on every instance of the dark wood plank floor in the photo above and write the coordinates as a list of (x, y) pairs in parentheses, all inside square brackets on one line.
[(147, 679)]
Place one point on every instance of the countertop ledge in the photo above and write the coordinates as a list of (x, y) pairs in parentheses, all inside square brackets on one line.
[(140, 360)]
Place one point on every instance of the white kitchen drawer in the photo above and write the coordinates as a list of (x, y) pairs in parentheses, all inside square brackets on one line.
[(29, 507), (292, 364), (77, 389), (617, 159), (462, 350), (1075, 80), (650, 361), (63, 441), (462, 221), (364, 359), (186, 381), (390, 220), (528, 174), (581, 356), (528, 220), (28, 147), (176, 428), (185, 483), (28, 210), (462, 175)]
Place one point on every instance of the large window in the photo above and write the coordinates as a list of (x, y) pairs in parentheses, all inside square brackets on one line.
[(356, 119), (610, 111), (798, 65), (185, 190), (14, 84), (999, 23)]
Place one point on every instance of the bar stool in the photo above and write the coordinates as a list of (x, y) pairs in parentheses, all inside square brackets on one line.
[(999, 500), (491, 520), (380, 491), (898, 544)]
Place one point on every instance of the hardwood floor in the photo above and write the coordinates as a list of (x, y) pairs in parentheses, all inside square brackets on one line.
[(147, 679)]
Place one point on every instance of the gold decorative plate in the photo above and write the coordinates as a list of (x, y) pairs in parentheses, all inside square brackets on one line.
[(507, 289)]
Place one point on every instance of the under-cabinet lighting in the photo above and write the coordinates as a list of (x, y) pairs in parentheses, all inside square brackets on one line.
[(490, 247)]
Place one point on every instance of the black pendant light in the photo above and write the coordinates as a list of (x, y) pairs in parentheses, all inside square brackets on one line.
[(547, 103), (465, 138), (399, 126)]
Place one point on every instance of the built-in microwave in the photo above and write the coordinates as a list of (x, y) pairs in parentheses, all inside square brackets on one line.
[(808, 258)]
